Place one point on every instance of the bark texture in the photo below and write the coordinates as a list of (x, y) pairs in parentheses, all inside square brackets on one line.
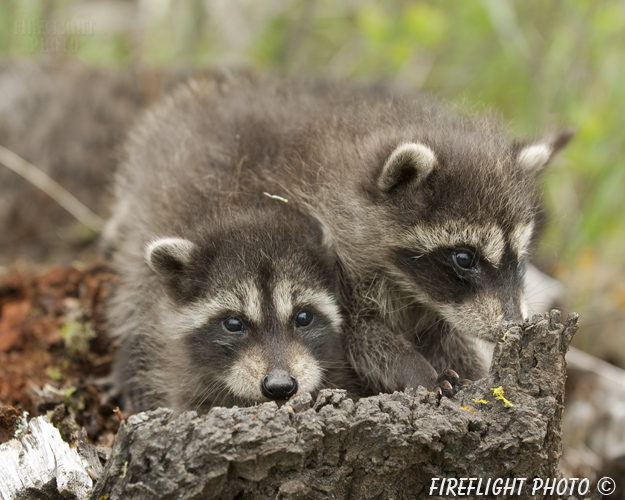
[(41, 466), (386, 446)]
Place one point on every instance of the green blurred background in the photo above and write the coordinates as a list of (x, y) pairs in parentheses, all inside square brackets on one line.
[(542, 64)]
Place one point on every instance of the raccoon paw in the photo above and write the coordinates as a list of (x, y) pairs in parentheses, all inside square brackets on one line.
[(449, 383)]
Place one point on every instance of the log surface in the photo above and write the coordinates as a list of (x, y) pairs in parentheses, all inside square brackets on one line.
[(42, 466), (386, 446)]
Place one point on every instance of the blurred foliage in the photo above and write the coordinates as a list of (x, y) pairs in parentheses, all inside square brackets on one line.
[(543, 65)]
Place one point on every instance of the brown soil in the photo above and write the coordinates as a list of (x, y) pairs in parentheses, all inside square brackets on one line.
[(53, 350)]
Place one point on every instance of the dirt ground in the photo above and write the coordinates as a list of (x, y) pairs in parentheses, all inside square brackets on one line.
[(54, 352)]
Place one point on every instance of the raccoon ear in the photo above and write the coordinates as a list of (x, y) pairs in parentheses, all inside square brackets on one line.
[(534, 157), (168, 257), (325, 235), (408, 162)]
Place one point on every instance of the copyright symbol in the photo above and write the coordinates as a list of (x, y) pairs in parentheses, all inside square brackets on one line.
[(606, 486)]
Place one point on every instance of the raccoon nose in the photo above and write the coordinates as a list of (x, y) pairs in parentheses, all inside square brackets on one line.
[(278, 385)]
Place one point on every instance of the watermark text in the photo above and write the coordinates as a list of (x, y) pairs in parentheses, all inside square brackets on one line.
[(520, 486)]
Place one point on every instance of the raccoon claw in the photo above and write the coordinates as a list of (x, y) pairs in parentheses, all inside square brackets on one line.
[(449, 383), (445, 389)]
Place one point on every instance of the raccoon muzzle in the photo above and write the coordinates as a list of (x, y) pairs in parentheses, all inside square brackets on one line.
[(278, 385)]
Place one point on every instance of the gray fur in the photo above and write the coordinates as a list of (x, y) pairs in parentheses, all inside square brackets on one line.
[(193, 248), (324, 147)]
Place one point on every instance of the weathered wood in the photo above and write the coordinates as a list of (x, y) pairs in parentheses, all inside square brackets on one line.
[(387, 446), (41, 465)]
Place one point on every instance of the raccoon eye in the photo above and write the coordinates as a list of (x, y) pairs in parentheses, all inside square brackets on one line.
[(304, 318), (234, 325), (464, 259)]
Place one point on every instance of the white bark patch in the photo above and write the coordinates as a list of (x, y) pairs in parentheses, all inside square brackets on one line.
[(37, 459)]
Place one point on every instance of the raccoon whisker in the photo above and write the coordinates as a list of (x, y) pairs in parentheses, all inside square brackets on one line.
[(213, 402), (326, 383), (201, 388), (425, 318), (538, 288), (325, 365), (215, 389), (548, 300), (219, 398), (239, 401), (423, 332)]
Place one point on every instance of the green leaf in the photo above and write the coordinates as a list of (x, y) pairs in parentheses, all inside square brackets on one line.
[(77, 336)]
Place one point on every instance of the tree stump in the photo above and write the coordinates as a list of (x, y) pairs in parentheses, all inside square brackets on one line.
[(386, 446)]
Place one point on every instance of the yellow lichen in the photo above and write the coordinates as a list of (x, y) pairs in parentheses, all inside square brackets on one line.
[(483, 401), (498, 393), (467, 407)]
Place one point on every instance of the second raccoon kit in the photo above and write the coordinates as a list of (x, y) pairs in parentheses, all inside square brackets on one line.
[(433, 212)]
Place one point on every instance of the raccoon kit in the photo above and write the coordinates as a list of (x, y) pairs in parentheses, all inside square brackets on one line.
[(224, 297), (433, 212)]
